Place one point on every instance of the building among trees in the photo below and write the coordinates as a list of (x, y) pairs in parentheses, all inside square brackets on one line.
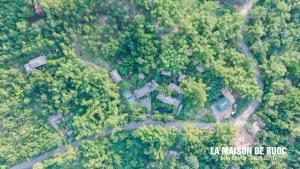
[(148, 88), (35, 63), (168, 100), (115, 76), (38, 9)]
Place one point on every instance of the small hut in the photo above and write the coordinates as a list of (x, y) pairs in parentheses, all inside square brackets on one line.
[(146, 103), (148, 88), (168, 100), (171, 153), (35, 63), (54, 119), (176, 88), (166, 73), (115, 76), (38, 9)]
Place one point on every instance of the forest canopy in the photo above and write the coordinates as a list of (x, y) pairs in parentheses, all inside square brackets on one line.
[(187, 51)]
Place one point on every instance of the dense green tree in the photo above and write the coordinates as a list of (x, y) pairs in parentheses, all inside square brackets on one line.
[(194, 92)]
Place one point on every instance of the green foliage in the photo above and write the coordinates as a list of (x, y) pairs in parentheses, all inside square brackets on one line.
[(194, 92), (67, 87), (162, 117), (149, 147), (24, 133), (274, 39), (208, 118), (241, 105)]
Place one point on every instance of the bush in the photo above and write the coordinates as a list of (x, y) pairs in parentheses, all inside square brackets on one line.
[(208, 118), (241, 105), (162, 117)]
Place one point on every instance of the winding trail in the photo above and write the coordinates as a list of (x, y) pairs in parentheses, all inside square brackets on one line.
[(238, 122), (243, 118)]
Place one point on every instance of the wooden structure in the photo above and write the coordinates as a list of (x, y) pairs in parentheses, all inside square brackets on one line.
[(146, 103), (148, 88), (115, 76), (168, 100), (54, 119), (166, 73), (35, 63)]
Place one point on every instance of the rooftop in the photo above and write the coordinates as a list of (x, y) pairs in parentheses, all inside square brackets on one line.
[(166, 73), (130, 98), (148, 88), (168, 100), (146, 103), (35, 63), (222, 105), (115, 76), (176, 88), (38, 9)]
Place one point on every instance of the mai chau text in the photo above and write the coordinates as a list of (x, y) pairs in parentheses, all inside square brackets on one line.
[(248, 150)]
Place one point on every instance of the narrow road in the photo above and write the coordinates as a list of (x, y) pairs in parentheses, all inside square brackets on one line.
[(243, 118), (127, 127), (239, 121)]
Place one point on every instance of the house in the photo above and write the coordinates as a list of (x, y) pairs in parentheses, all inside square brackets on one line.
[(38, 9), (54, 119), (146, 103), (243, 139), (171, 153), (222, 105), (222, 109), (148, 88), (166, 73), (35, 63), (228, 96), (176, 88), (130, 98), (115, 76), (168, 100)]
